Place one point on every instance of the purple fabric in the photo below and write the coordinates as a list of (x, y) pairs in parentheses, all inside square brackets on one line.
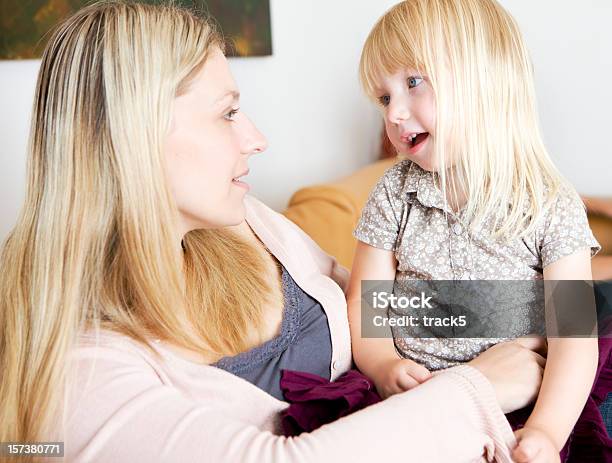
[(589, 441), (316, 401)]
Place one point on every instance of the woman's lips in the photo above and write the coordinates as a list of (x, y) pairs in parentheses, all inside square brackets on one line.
[(241, 184)]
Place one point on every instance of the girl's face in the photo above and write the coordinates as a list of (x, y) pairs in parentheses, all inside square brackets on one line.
[(208, 147), (408, 104)]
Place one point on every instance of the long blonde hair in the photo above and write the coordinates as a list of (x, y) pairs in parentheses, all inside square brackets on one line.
[(482, 78), (95, 244)]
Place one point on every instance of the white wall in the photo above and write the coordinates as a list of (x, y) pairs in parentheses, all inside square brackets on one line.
[(307, 101), (571, 47), (17, 82), (306, 97)]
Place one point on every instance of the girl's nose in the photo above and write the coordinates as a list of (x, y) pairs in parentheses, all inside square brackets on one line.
[(398, 112)]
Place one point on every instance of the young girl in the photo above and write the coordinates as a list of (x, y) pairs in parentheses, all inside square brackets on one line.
[(476, 197)]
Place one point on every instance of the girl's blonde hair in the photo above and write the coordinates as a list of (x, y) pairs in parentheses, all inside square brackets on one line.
[(486, 117), (95, 242)]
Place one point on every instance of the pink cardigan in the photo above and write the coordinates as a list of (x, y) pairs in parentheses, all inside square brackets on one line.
[(132, 407)]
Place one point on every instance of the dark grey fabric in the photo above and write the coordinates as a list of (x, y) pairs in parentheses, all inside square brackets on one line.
[(304, 344)]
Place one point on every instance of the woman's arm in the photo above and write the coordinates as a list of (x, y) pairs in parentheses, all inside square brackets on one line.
[(571, 363), (128, 414)]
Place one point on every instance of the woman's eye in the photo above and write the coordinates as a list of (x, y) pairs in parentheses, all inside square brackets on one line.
[(414, 81), (230, 115), (384, 100)]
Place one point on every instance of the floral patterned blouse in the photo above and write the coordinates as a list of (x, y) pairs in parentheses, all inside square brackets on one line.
[(406, 213)]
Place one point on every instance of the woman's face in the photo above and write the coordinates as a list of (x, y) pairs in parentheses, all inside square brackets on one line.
[(208, 147), (409, 112)]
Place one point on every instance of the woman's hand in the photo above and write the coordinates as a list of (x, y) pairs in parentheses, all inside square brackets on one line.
[(398, 375), (515, 370)]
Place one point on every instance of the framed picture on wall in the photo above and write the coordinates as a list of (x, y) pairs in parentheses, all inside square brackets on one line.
[(25, 25)]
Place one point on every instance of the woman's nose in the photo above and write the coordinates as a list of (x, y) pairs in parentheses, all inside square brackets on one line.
[(254, 141)]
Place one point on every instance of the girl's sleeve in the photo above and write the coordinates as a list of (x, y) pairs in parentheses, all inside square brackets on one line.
[(129, 414), (565, 229), (379, 224)]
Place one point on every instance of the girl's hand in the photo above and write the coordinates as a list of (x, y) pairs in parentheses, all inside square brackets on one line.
[(398, 375), (534, 446), (515, 371)]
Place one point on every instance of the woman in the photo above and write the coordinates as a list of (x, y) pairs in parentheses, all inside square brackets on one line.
[(143, 319)]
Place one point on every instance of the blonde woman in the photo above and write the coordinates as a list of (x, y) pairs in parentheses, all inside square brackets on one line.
[(142, 318), (476, 198)]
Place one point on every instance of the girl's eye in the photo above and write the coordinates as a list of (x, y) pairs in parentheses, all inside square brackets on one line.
[(414, 81), (230, 115), (384, 100)]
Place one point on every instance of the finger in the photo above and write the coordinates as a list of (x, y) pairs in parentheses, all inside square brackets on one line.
[(392, 389), (384, 391), (545, 457), (523, 452), (406, 382), (541, 458), (534, 343), (526, 451), (418, 372), (538, 358), (519, 456), (399, 384)]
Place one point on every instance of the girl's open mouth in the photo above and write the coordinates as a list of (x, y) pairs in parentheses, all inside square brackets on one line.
[(416, 141)]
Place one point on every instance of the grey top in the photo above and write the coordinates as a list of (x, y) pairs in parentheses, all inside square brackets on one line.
[(304, 344), (406, 213)]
